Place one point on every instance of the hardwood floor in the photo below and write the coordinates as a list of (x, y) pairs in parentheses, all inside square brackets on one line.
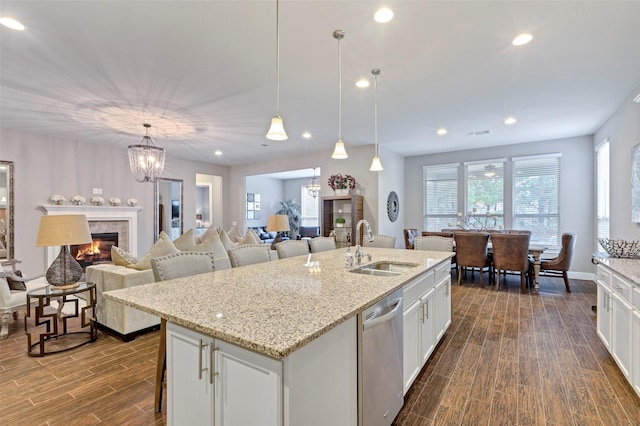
[(507, 359)]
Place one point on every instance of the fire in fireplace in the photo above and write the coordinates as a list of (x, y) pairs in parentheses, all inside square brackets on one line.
[(98, 251)]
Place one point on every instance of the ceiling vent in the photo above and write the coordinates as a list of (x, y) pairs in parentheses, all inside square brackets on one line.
[(637, 99), (480, 132)]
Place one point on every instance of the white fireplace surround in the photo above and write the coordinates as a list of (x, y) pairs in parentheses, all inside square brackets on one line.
[(95, 214)]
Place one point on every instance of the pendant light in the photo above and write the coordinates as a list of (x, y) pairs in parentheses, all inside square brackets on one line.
[(276, 131), (313, 187), (339, 152), (145, 159), (376, 165)]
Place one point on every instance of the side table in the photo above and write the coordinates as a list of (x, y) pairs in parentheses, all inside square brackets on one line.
[(50, 340)]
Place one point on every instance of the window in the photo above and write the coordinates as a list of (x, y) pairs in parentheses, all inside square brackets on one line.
[(536, 188), (309, 207), (485, 192), (440, 196), (602, 190)]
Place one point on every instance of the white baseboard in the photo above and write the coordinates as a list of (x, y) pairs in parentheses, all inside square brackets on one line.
[(587, 276)]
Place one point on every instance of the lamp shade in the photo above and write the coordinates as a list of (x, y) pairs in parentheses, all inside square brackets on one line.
[(63, 230), (339, 153), (278, 223), (276, 131)]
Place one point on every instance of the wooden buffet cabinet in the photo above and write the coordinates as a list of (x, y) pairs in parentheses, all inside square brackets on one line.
[(350, 207)]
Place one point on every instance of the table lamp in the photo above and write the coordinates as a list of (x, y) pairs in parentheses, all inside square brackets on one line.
[(62, 230), (277, 223)]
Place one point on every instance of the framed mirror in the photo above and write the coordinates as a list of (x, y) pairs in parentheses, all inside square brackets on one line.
[(6, 210), (168, 208)]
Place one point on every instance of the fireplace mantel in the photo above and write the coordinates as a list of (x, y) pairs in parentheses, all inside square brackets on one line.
[(97, 213)]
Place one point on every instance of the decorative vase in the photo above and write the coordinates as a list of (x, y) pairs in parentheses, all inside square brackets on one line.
[(342, 191)]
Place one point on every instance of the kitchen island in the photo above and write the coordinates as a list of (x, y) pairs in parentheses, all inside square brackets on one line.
[(275, 338)]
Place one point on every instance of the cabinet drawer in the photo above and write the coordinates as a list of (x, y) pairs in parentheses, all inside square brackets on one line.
[(442, 271), (416, 288), (622, 287), (603, 275)]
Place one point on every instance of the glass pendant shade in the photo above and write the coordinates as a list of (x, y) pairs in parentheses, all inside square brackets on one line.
[(339, 153), (146, 160), (313, 187), (376, 165), (276, 131)]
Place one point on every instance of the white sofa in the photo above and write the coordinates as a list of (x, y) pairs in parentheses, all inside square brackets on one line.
[(116, 318)]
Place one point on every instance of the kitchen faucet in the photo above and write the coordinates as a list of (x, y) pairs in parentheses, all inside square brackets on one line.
[(368, 235)]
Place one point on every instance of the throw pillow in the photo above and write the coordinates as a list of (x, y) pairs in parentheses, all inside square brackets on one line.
[(226, 241), (15, 284), (212, 244), (234, 233), (248, 239), (122, 257), (186, 241), (252, 234), (210, 231), (161, 247)]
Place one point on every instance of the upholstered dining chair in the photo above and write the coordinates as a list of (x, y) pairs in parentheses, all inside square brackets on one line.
[(248, 254), (291, 248), (472, 252), (382, 241), (433, 242), (511, 253), (169, 267), (447, 234), (319, 244), (409, 235), (562, 262)]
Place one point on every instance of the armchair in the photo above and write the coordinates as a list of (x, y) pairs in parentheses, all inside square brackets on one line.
[(11, 300)]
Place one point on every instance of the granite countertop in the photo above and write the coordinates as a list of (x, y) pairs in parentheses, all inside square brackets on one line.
[(627, 267), (274, 307)]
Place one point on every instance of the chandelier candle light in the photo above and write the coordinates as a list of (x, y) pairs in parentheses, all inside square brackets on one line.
[(276, 131), (339, 152), (313, 187), (146, 160)]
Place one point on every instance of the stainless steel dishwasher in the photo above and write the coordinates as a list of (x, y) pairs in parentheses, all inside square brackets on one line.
[(380, 396)]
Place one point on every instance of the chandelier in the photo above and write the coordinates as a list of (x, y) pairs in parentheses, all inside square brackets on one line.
[(313, 187), (146, 160)]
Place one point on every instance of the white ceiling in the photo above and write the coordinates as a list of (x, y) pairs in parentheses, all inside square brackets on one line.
[(202, 73)]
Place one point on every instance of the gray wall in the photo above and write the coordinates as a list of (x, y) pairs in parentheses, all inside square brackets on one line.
[(576, 186), (46, 166), (391, 179), (271, 193), (623, 132)]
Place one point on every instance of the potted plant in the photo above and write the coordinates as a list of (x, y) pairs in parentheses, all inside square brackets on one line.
[(342, 184), (291, 209), (340, 221)]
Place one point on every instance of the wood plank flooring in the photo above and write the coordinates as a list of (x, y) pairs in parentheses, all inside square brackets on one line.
[(507, 359)]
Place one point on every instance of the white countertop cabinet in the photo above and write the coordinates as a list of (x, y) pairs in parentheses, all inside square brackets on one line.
[(618, 313)]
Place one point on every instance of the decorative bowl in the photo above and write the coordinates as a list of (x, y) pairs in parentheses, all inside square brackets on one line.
[(620, 248)]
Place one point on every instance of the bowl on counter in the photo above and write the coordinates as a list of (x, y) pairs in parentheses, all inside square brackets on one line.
[(620, 248)]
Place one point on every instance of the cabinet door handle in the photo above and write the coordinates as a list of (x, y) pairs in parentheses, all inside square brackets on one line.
[(201, 347), (421, 316), (212, 362), (426, 309)]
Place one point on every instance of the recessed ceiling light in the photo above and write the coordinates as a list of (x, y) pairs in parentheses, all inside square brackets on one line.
[(522, 39), (306, 135), (442, 131), (510, 120), (362, 83), (218, 152), (383, 15), (11, 23)]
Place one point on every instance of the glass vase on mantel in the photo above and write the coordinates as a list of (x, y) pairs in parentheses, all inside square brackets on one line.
[(341, 191)]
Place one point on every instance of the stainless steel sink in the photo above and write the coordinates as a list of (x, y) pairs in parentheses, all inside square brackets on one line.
[(384, 268)]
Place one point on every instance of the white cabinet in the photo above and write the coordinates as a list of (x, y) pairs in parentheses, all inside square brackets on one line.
[(618, 321), (426, 317), (210, 382)]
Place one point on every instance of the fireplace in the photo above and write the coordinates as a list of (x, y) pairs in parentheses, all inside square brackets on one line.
[(98, 251)]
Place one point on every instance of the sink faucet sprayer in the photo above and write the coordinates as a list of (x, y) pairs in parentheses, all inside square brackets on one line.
[(368, 235)]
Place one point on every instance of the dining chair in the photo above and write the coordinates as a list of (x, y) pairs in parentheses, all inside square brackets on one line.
[(319, 244), (169, 267), (472, 252), (409, 235), (511, 253), (248, 254), (291, 248), (447, 234), (434, 243), (382, 241), (562, 262), (518, 231)]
